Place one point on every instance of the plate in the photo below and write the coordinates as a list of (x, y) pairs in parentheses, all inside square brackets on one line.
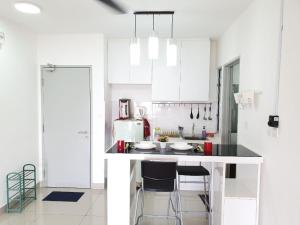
[(145, 146), (181, 147)]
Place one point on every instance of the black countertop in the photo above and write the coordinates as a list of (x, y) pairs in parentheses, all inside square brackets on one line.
[(218, 150)]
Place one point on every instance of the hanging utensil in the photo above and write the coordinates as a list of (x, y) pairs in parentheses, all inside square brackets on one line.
[(191, 115), (198, 114), (204, 117), (209, 117)]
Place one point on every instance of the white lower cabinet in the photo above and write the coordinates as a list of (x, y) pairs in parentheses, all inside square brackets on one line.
[(239, 211)]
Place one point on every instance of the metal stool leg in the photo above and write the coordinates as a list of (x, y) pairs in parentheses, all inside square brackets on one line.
[(136, 205), (206, 191), (169, 203), (209, 201), (143, 204), (179, 199)]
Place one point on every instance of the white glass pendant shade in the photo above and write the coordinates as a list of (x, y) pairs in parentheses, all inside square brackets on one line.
[(27, 8), (171, 52), (135, 52), (153, 45)]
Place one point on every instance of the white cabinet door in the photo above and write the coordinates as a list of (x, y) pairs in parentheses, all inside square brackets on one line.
[(142, 73), (166, 79), (239, 211), (217, 192), (120, 70), (118, 61), (195, 63)]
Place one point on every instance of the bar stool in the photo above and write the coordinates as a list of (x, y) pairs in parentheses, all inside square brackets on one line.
[(198, 171), (159, 176)]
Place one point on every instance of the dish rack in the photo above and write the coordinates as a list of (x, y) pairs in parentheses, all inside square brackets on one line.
[(21, 188)]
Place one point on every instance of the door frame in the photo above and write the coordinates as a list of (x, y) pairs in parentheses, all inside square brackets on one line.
[(225, 121), (224, 101), (43, 182)]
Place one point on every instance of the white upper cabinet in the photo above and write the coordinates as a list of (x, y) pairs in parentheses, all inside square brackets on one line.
[(120, 70), (142, 73), (195, 64), (187, 81), (166, 80), (118, 60)]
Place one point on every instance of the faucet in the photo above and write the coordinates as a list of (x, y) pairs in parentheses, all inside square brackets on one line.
[(193, 130), (180, 130)]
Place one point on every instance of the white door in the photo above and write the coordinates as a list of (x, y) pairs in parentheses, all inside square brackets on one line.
[(66, 118)]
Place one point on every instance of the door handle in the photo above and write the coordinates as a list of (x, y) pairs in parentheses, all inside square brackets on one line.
[(82, 132)]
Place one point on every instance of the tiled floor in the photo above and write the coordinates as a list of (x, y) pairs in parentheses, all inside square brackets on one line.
[(91, 210)]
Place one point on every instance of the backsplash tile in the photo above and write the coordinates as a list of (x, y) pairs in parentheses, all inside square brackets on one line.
[(169, 116)]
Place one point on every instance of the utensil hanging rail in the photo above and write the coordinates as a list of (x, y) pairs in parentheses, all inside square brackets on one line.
[(181, 103)]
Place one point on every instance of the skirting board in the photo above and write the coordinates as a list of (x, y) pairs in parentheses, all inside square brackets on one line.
[(2, 210), (98, 186)]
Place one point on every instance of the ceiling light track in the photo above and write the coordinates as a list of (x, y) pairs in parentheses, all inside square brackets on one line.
[(154, 13)]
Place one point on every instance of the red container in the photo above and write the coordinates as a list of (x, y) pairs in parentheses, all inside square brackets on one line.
[(121, 146), (207, 148)]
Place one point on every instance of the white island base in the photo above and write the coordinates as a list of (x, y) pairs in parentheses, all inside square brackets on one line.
[(234, 201)]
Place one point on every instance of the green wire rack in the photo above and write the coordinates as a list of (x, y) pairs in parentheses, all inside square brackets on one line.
[(21, 188)]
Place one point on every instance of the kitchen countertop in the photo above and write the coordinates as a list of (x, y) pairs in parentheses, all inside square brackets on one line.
[(218, 150)]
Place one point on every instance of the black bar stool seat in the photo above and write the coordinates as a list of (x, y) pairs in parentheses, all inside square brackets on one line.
[(192, 171), (159, 176)]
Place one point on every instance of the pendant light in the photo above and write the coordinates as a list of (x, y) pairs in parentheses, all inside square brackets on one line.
[(153, 43), (135, 50), (171, 48)]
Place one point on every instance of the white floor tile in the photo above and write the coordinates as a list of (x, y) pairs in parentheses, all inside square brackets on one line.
[(91, 209), (98, 208), (18, 219), (58, 220), (93, 220)]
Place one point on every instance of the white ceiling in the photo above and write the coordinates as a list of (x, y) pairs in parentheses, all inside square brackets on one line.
[(193, 18)]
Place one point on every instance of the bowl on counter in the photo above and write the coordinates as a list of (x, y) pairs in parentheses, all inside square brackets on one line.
[(182, 146), (145, 145)]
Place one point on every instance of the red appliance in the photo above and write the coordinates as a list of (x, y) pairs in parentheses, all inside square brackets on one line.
[(124, 109), (146, 128)]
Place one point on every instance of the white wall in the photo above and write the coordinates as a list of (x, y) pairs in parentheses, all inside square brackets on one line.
[(281, 176), (78, 50), (18, 99), (254, 38)]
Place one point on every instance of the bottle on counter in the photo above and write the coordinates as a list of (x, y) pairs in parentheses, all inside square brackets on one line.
[(204, 133), (156, 133)]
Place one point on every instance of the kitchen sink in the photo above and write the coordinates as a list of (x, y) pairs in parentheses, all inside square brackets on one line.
[(195, 138)]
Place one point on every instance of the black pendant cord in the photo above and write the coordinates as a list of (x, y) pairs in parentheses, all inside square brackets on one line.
[(172, 27), (135, 26), (153, 23)]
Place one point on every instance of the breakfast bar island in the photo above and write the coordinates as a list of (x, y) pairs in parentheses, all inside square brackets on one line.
[(233, 201)]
